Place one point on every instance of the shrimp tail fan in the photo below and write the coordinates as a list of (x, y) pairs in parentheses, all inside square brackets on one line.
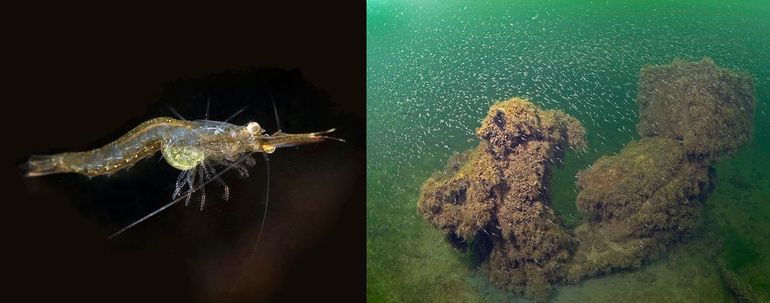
[(42, 165)]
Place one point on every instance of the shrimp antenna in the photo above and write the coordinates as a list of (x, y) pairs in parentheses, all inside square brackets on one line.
[(261, 226), (236, 113), (176, 113), (328, 131), (334, 138), (208, 103), (175, 201), (267, 200), (275, 109)]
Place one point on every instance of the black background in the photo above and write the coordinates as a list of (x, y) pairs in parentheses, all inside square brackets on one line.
[(78, 76)]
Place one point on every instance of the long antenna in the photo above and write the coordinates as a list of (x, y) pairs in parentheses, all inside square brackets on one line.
[(250, 257), (176, 113), (275, 109), (208, 102), (267, 200), (236, 113)]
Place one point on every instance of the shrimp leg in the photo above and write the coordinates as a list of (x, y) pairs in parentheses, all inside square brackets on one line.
[(203, 188), (210, 172), (191, 184), (175, 201)]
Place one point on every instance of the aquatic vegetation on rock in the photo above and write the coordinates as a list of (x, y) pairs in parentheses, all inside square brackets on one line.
[(644, 198), (638, 202), (494, 198), (496, 193), (708, 108)]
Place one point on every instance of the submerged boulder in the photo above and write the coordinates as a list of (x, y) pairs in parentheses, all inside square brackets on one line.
[(707, 108), (637, 202), (495, 195), (640, 201)]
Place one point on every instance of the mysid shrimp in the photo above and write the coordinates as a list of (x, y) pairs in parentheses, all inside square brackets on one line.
[(198, 148)]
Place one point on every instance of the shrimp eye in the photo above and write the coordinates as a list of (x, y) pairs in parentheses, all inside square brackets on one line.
[(253, 128)]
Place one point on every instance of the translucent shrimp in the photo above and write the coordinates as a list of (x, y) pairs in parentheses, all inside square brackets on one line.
[(197, 148)]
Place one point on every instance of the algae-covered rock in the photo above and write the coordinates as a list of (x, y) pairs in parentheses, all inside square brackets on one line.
[(638, 201), (643, 199), (510, 123), (496, 194), (616, 186), (708, 108)]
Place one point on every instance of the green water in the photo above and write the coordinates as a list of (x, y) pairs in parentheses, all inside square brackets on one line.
[(433, 69)]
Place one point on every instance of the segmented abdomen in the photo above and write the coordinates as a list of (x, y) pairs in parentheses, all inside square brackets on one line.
[(139, 143)]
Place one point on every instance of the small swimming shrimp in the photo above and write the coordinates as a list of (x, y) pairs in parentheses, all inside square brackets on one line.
[(195, 147)]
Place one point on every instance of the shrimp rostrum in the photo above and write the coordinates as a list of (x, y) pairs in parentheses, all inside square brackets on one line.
[(198, 148)]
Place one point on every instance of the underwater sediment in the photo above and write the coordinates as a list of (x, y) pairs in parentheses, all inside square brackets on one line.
[(494, 199)]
